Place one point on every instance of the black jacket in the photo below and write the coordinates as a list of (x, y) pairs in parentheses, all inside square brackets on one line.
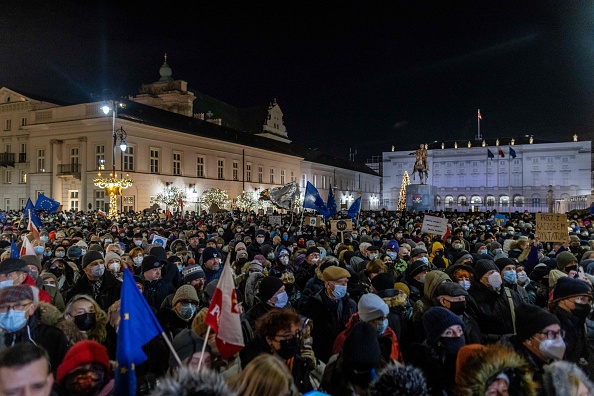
[(156, 291), (491, 309), (109, 292)]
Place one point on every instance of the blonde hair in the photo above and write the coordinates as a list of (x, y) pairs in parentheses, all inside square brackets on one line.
[(98, 332), (198, 325), (266, 375)]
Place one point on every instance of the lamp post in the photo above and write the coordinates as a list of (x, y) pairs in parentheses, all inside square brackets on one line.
[(112, 185)]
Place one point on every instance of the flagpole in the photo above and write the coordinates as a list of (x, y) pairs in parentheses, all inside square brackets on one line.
[(203, 347), (172, 349), (486, 181), (478, 118), (509, 184)]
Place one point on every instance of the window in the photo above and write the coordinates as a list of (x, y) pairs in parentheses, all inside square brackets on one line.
[(271, 175), (23, 177), (7, 176), (235, 170), (248, 172), (154, 160), (282, 175), (100, 199), (315, 181), (39, 192), (200, 166), (7, 125), (303, 180), (23, 153), (100, 157), (129, 159), (8, 148), (260, 173), (23, 121), (22, 202), (177, 159), (73, 200), (7, 203), (292, 176), (74, 158), (220, 169), (41, 160), (323, 181), (128, 204)]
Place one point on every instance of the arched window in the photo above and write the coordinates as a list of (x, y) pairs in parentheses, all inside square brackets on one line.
[(476, 200)]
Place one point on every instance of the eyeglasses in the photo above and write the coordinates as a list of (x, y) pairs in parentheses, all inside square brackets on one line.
[(552, 334), (15, 307), (298, 335)]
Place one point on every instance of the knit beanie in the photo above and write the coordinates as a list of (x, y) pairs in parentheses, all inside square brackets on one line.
[(402, 287), (265, 249), (160, 253), (417, 267), (531, 319), (185, 292), (482, 267), (371, 306), (150, 262), (503, 262), (268, 287), (83, 352), (383, 281), (436, 320), (255, 265), (193, 272), (91, 256), (311, 250), (74, 252), (570, 287), (112, 256), (564, 258), (361, 350), (461, 256), (31, 259), (393, 245), (240, 246), (554, 276), (186, 343)]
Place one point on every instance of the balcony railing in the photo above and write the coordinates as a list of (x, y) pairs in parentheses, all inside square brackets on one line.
[(7, 159), (69, 170)]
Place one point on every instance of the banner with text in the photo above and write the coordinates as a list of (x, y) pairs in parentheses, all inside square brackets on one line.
[(434, 225), (551, 227)]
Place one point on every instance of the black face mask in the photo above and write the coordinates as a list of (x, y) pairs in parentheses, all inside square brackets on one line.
[(241, 261), (289, 348), (362, 379), (452, 344), (57, 271), (289, 287), (458, 307), (85, 322), (581, 311), (406, 258)]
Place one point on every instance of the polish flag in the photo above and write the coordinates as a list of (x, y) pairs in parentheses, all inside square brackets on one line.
[(223, 315), (501, 153), (26, 247), (447, 234), (32, 227), (479, 115)]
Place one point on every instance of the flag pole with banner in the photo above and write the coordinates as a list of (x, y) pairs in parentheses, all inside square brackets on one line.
[(490, 156), (512, 155)]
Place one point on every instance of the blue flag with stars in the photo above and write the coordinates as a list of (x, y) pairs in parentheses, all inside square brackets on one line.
[(2, 219), (512, 153), (29, 208), (138, 325), (14, 252), (354, 208), (331, 204), (45, 203), (490, 154), (313, 200)]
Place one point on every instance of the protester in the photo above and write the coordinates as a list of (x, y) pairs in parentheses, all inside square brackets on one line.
[(266, 375), (25, 370)]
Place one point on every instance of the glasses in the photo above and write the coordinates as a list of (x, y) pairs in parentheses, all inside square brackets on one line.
[(298, 335), (552, 334), (15, 307)]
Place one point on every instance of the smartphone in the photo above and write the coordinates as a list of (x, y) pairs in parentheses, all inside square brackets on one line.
[(316, 393)]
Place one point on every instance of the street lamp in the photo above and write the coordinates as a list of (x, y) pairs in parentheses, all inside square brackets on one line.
[(112, 185)]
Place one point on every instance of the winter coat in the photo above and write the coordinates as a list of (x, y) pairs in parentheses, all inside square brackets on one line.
[(576, 345), (491, 309), (43, 295), (439, 368), (399, 316), (108, 293), (172, 324), (156, 291), (312, 286), (329, 319), (256, 312), (304, 273), (56, 297)]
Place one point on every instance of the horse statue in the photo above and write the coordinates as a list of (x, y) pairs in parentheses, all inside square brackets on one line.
[(421, 166)]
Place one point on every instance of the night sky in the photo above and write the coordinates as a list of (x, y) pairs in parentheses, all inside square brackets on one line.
[(346, 75)]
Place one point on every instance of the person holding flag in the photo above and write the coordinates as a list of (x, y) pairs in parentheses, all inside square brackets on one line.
[(313, 200)]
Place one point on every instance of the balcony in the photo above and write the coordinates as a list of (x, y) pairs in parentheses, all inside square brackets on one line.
[(7, 159), (69, 171), (22, 157)]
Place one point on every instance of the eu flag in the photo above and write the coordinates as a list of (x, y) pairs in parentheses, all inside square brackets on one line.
[(331, 204), (29, 208), (512, 153), (490, 154), (45, 203), (2, 219), (354, 208), (138, 325), (14, 252), (312, 200)]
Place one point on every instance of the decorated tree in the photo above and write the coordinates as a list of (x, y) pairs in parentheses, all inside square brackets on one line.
[(246, 201), (173, 197), (214, 196)]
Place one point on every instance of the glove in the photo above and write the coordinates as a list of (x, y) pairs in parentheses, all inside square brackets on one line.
[(308, 354)]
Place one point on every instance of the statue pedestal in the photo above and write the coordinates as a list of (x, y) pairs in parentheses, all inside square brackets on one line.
[(420, 197)]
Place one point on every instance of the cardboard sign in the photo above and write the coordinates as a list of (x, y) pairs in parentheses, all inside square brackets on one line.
[(274, 220), (345, 225), (551, 227), (312, 222), (159, 240), (434, 225), (499, 220)]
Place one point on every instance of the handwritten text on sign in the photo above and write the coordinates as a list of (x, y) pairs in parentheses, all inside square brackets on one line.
[(551, 227), (434, 225)]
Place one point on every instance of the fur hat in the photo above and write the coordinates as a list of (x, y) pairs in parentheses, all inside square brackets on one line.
[(397, 379), (436, 320), (371, 306), (83, 352), (191, 383), (531, 319), (90, 256), (555, 378)]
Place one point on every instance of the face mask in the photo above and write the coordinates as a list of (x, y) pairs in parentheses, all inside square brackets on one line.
[(83, 251), (114, 267), (137, 243), (376, 239), (288, 348), (186, 311), (452, 344), (84, 382), (60, 254), (282, 300), (49, 285), (39, 249), (34, 274), (315, 260), (398, 236), (381, 328), (581, 311), (465, 284), (44, 238), (354, 236), (137, 260), (522, 277), (6, 283), (339, 291), (422, 278), (98, 270), (482, 252), (406, 257), (425, 260), (510, 276), (180, 268), (285, 237), (372, 256), (86, 321), (47, 254), (12, 320), (270, 256), (284, 260), (260, 240), (392, 255), (57, 271), (107, 240), (498, 251), (554, 349), (458, 246), (495, 280), (458, 307)]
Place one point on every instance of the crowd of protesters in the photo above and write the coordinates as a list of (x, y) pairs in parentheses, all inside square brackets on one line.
[(384, 309)]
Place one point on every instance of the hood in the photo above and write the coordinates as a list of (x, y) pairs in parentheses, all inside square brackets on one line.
[(399, 300), (434, 247), (432, 280), (186, 383), (251, 287), (555, 378)]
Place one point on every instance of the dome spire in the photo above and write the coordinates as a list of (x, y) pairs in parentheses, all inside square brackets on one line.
[(165, 71)]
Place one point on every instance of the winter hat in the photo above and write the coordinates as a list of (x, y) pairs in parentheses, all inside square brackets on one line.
[(48, 275), (192, 272), (565, 258), (334, 273), (240, 246), (417, 267), (436, 320), (361, 350), (554, 379), (570, 287), (261, 259), (540, 271), (11, 265), (261, 232), (241, 253), (268, 287), (311, 250), (453, 289), (531, 319), (383, 281), (482, 267), (83, 352), (397, 379), (150, 262), (185, 292), (393, 245), (477, 246), (186, 343), (111, 256), (95, 247), (416, 251), (31, 259), (554, 276), (402, 287), (494, 245), (209, 253), (91, 256), (461, 256), (265, 249), (160, 253), (74, 252), (255, 265), (503, 262), (16, 294), (371, 306)]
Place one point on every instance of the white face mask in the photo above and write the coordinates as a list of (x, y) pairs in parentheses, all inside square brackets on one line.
[(495, 280), (260, 240), (522, 277), (114, 267), (554, 349)]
